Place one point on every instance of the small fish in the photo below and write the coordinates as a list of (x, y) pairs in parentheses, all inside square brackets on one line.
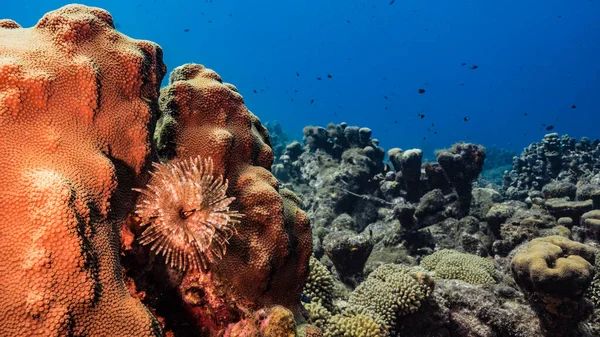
[(209, 21), (474, 67), (297, 74), (386, 168), (353, 249), (466, 119), (318, 78), (395, 122), (347, 21), (432, 124), (573, 106), (292, 100), (463, 64), (304, 298), (421, 116), (385, 97), (254, 91), (392, 2), (312, 101), (186, 30), (424, 138), (435, 132), (525, 114), (329, 76), (421, 91), (550, 127)]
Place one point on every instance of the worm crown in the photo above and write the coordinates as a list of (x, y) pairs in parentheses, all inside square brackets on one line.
[(187, 212)]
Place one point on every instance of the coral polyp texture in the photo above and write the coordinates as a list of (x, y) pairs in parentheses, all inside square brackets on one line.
[(267, 259), (77, 103), (554, 266), (188, 213)]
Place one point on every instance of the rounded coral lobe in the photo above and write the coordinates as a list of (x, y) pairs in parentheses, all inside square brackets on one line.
[(187, 212)]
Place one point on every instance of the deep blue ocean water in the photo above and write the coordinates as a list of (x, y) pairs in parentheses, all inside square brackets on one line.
[(537, 62)]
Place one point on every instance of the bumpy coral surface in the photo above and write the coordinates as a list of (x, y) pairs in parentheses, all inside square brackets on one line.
[(319, 285), (267, 259), (392, 291), (554, 266), (450, 264), (77, 101)]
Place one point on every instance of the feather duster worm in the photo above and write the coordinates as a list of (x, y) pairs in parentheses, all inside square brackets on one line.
[(187, 212)]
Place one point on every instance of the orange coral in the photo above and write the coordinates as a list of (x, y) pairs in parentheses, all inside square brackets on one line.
[(267, 260), (77, 99)]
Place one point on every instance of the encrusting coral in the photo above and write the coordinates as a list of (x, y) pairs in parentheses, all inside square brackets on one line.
[(451, 264), (77, 106)]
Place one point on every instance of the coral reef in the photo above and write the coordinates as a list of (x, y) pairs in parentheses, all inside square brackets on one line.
[(556, 272), (277, 138), (139, 212), (462, 164), (390, 292), (267, 258), (77, 106), (554, 159), (450, 264)]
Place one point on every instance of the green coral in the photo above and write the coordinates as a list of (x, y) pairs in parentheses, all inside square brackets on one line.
[(373, 307), (593, 292), (451, 264), (319, 286), (391, 291), (354, 325)]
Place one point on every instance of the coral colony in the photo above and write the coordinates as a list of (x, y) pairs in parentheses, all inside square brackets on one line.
[(131, 210)]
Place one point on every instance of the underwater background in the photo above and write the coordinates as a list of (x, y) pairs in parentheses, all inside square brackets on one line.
[(364, 62), (300, 169)]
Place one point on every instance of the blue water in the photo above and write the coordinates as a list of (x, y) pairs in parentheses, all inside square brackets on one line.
[(533, 57)]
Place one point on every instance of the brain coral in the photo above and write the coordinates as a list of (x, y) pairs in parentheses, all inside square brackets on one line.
[(554, 266), (77, 101), (267, 259), (450, 264)]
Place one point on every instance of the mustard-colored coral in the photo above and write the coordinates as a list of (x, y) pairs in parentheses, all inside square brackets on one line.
[(319, 285), (450, 264), (356, 325), (593, 292), (554, 266), (391, 291), (318, 315)]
